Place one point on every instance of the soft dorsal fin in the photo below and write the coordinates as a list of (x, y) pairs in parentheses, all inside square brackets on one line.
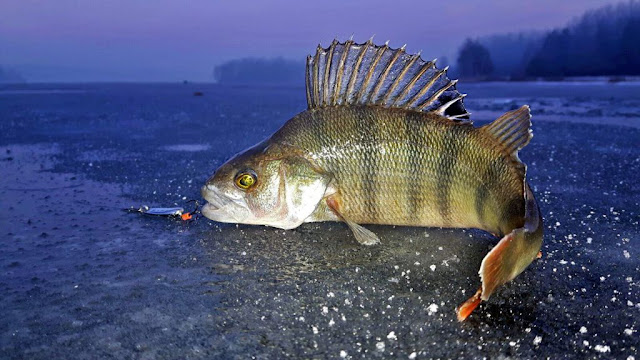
[(512, 130), (366, 74)]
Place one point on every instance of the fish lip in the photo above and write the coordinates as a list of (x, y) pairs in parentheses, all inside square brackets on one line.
[(219, 214), (209, 210), (210, 207), (213, 196), (214, 209)]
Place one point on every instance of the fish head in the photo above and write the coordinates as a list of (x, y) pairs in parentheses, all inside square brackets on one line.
[(264, 185)]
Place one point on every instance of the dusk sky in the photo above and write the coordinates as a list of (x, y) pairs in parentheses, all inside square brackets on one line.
[(165, 40)]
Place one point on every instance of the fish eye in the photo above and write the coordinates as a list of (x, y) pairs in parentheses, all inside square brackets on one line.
[(246, 179)]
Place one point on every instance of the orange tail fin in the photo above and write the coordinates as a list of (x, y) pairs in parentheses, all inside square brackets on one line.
[(468, 306), (510, 257)]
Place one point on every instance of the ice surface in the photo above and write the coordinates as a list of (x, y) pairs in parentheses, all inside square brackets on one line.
[(187, 147), (82, 279)]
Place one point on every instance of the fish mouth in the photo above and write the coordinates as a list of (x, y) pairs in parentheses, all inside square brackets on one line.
[(214, 197), (210, 211), (217, 205)]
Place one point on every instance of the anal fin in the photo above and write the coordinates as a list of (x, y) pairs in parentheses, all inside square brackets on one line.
[(362, 235)]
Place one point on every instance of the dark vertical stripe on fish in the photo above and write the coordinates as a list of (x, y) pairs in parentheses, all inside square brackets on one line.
[(452, 140), (484, 190), (513, 210), (368, 128), (414, 179)]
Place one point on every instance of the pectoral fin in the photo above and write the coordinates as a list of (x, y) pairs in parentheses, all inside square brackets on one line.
[(362, 235)]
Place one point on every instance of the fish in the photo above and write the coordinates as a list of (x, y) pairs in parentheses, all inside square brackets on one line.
[(386, 139)]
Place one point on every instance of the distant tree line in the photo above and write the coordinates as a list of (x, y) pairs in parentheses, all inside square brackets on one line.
[(260, 71), (605, 41), (474, 60)]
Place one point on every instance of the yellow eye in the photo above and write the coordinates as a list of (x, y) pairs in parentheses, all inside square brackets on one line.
[(245, 180)]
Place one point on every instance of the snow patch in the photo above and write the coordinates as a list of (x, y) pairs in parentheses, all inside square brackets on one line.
[(602, 348), (537, 340)]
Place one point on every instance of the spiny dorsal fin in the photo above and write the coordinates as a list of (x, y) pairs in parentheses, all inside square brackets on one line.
[(512, 130), (367, 74)]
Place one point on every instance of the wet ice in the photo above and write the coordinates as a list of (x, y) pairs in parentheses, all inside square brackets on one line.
[(81, 277)]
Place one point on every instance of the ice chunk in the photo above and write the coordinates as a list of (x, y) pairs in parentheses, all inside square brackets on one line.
[(537, 340), (433, 308), (602, 348)]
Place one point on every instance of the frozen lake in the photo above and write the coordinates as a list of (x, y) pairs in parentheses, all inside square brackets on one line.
[(82, 279)]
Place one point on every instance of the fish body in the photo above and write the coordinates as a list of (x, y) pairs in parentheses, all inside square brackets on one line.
[(385, 140), (400, 167)]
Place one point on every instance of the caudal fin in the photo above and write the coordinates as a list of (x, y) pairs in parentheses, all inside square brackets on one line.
[(510, 257), (468, 306)]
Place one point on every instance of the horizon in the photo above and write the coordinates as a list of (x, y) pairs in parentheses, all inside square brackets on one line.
[(133, 41)]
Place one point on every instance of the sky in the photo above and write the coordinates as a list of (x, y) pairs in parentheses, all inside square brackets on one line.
[(171, 40)]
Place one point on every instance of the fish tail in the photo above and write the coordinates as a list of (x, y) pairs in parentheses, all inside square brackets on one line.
[(510, 257), (468, 306)]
